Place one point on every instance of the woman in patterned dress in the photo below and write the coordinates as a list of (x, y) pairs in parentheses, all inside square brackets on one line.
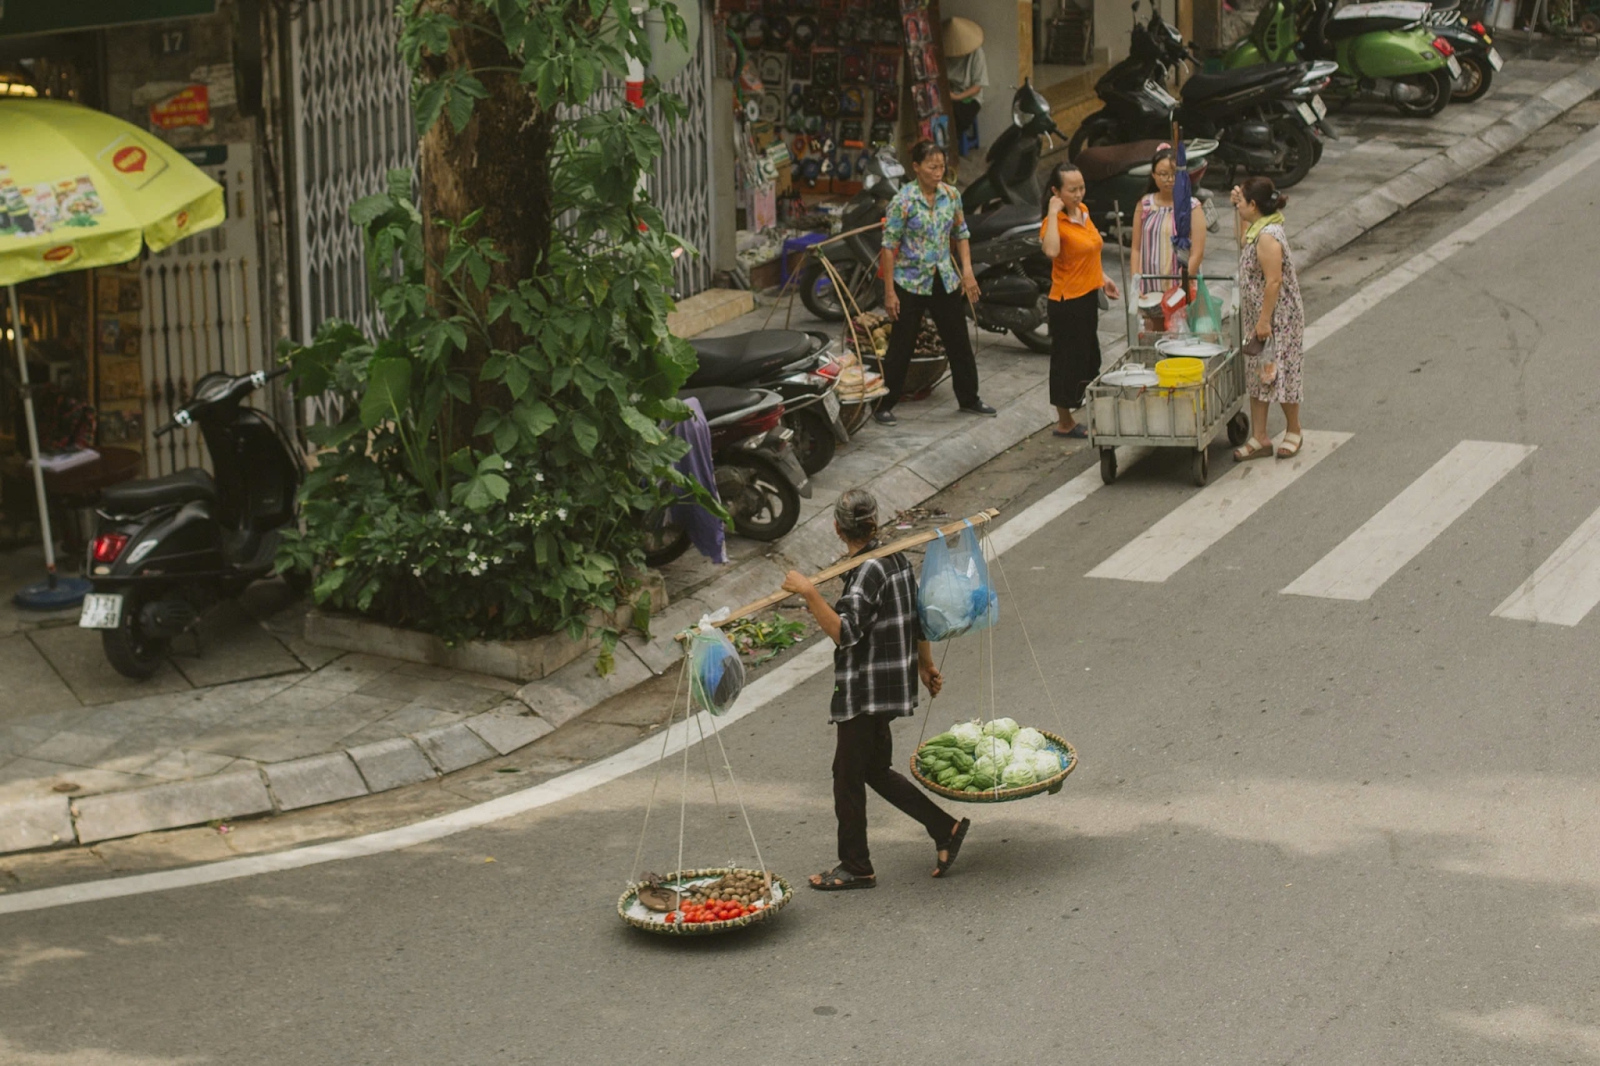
[(1270, 298), (1153, 228)]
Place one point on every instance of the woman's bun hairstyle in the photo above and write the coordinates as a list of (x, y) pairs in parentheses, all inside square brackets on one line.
[(1264, 194)]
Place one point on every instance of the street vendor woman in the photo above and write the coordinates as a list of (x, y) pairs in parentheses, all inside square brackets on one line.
[(878, 657)]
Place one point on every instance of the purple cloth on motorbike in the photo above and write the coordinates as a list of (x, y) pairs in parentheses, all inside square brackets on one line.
[(705, 529)]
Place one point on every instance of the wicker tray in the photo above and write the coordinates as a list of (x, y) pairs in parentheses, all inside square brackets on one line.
[(1051, 785), (636, 915)]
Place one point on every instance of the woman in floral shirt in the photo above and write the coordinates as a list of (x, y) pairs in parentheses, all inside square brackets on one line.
[(924, 223)]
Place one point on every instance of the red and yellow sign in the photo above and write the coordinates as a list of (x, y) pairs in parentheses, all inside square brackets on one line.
[(133, 159), (60, 253), (188, 108), (130, 160)]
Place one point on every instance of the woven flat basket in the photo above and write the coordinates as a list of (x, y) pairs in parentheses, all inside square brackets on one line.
[(656, 925), (1050, 785)]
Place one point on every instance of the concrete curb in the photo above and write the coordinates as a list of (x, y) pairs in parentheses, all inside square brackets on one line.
[(1381, 203), (543, 706)]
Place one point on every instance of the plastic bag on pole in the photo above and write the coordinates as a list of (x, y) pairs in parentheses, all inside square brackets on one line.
[(954, 596), (716, 673)]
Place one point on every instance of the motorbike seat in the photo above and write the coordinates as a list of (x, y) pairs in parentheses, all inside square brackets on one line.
[(994, 223), (719, 400), (185, 486), (746, 356), (1206, 86), (1106, 162)]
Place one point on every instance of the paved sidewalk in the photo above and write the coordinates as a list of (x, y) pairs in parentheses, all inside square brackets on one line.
[(261, 721)]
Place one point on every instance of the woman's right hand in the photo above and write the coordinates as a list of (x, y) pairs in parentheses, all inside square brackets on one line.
[(891, 303), (1236, 196), (1056, 205)]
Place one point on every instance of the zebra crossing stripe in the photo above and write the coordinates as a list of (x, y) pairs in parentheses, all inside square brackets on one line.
[(1213, 512), (1567, 587), (1394, 536)]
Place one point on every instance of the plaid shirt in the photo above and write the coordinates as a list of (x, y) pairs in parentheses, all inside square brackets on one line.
[(875, 664)]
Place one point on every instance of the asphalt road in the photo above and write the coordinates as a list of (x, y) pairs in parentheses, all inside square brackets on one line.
[(1306, 829)]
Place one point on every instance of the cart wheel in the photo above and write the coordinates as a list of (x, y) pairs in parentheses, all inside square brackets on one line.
[(1108, 465), (1200, 467), (1238, 429)]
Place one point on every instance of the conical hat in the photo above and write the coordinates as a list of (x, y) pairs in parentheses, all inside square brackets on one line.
[(962, 36)]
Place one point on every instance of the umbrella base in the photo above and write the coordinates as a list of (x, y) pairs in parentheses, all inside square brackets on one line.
[(59, 595)]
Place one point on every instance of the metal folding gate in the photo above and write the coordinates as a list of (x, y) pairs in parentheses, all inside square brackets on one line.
[(202, 311), (352, 124)]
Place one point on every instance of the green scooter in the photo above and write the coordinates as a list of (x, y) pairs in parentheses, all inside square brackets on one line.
[(1410, 68)]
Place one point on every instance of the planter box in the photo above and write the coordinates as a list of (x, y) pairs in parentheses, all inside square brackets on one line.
[(514, 660)]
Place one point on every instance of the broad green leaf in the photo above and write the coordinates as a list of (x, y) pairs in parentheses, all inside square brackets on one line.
[(641, 425), (534, 416), (388, 391), (586, 433)]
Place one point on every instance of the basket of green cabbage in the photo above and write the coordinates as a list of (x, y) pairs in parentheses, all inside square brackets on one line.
[(993, 761)]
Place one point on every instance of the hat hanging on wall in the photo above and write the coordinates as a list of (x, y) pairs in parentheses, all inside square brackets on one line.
[(962, 36), (755, 31), (804, 34), (778, 29), (771, 70), (771, 107)]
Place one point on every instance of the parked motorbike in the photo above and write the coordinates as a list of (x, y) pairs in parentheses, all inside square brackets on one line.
[(855, 258), (1406, 66), (1475, 50), (1266, 118), (1012, 176), (166, 549), (759, 478), (799, 367)]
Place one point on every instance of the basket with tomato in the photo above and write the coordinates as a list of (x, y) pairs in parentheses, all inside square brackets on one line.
[(692, 902)]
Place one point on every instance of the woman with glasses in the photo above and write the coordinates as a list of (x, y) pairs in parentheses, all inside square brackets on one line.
[(1153, 230)]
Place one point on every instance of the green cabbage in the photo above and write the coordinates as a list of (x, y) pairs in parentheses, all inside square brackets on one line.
[(1017, 775), (1046, 764), (967, 734), (985, 766), (1004, 728), (994, 748), (1029, 739)]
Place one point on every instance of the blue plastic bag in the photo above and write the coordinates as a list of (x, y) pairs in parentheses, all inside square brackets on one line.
[(954, 595), (716, 673)]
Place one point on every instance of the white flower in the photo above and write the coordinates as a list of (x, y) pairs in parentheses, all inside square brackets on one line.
[(538, 477), (416, 571), (561, 513), (466, 527), (472, 557), (497, 560)]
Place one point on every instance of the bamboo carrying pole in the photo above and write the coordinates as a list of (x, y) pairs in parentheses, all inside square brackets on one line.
[(844, 567)]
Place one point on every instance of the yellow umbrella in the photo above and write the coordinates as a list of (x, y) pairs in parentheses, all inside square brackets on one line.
[(81, 189)]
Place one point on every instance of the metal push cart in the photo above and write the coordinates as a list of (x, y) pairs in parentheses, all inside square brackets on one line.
[(1186, 416)]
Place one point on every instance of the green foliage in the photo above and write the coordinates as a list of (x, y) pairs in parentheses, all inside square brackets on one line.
[(530, 519)]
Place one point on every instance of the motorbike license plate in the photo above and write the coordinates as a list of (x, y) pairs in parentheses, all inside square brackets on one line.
[(1307, 114), (101, 611), (1455, 66), (830, 404), (1319, 107), (1494, 59)]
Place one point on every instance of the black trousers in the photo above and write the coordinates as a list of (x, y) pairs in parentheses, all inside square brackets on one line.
[(949, 311), (1074, 348), (864, 756), (966, 116)]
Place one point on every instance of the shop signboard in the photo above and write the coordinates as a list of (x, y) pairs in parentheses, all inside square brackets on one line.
[(20, 18)]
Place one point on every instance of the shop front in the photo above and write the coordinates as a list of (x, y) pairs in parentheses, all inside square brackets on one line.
[(114, 351)]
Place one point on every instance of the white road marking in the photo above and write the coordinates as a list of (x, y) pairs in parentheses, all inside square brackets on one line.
[(1499, 212), (1394, 536), (1213, 512), (797, 671), (1566, 588)]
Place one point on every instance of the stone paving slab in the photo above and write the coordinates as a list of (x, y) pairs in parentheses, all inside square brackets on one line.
[(87, 756)]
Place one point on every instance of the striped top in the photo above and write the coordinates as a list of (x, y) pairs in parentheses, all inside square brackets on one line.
[(1156, 255)]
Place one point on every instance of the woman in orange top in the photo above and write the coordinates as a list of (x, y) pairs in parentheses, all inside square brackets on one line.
[(1070, 239)]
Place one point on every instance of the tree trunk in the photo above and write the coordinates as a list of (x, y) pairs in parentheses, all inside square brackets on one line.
[(499, 162)]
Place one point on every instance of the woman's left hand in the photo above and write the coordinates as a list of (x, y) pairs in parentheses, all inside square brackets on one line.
[(969, 285), (1112, 291)]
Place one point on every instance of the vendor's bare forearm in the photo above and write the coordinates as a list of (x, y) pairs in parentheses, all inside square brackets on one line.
[(824, 613)]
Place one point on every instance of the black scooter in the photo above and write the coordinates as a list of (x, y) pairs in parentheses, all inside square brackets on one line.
[(855, 258), (1265, 117), (167, 549), (795, 365)]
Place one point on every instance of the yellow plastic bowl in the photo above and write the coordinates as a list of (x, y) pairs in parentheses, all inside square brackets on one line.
[(1171, 373)]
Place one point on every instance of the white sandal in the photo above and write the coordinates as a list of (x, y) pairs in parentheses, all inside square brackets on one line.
[(1290, 445), (1252, 449)]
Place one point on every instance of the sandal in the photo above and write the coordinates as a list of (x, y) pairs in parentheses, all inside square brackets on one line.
[(952, 847), (1077, 432), (839, 879), (1252, 449), (1290, 446)]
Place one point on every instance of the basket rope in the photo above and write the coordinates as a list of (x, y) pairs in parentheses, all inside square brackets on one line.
[(666, 736)]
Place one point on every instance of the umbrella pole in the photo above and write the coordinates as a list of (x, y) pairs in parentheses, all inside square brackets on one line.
[(20, 346)]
